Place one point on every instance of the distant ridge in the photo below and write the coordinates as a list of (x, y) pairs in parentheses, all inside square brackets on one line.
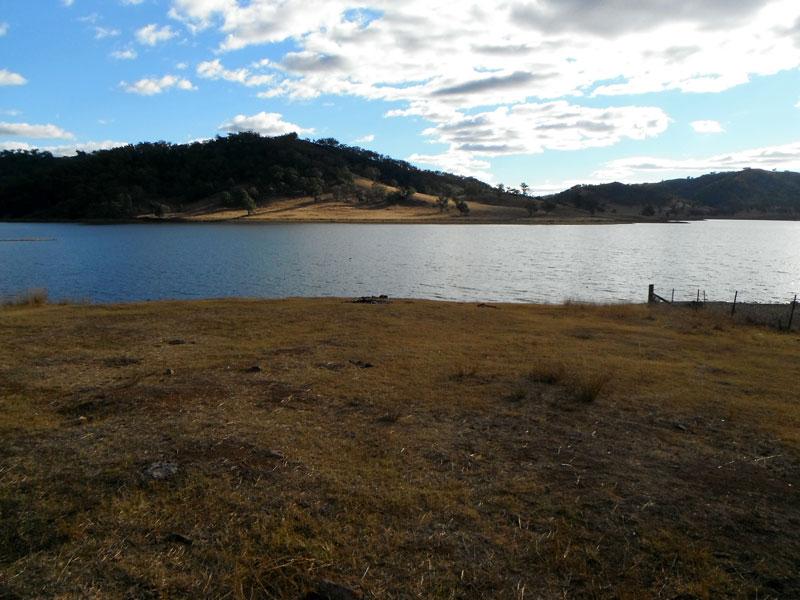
[(246, 169), (750, 192)]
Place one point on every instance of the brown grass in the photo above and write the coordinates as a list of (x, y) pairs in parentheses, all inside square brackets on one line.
[(34, 297), (424, 210), (523, 452)]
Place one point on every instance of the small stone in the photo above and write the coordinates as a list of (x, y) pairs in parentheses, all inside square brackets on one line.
[(255, 369), (361, 364), (169, 372), (161, 470)]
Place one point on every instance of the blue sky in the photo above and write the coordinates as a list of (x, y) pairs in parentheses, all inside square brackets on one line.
[(551, 92)]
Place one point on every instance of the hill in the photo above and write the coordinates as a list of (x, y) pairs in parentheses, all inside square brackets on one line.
[(747, 193), (158, 178), (247, 176)]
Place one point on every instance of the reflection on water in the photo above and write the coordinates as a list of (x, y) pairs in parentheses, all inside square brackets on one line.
[(515, 263)]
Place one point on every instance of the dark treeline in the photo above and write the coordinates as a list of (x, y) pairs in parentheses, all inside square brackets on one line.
[(161, 177), (246, 169), (748, 191)]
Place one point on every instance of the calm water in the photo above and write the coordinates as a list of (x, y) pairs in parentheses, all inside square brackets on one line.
[(112, 263)]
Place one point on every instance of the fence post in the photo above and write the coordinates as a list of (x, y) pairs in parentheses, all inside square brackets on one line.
[(651, 292), (733, 309), (791, 314), (672, 301)]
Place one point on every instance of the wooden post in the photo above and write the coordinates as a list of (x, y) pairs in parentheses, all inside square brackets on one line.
[(698, 296), (651, 293), (733, 308), (791, 314), (673, 297)]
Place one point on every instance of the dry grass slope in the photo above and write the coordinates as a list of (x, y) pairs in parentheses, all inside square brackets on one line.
[(412, 449)]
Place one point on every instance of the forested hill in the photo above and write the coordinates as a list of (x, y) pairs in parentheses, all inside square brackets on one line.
[(162, 177), (752, 192), (246, 170)]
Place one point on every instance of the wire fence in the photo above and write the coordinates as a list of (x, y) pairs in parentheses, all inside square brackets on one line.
[(782, 316)]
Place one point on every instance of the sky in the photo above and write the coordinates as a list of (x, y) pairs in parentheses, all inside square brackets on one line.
[(548, 92)]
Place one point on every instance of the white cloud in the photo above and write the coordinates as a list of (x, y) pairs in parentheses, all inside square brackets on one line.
[(153, 86), (707, 127), (366, 139), (213, 69), (3, 29), (131, 2), (67, 2), (127, 54), (455, 161), (91, 18), (533, 128), (152, 34), (66, 150), (10, 78), (646, 168), (105, 32), (270, 124), (444, 61), (34, 131)]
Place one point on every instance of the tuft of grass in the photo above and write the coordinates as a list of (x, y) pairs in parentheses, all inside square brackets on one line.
[(464, 373), (33, 297), (550, 373), (587, 388)]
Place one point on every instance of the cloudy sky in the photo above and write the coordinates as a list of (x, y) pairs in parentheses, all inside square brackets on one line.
[(550, 92)]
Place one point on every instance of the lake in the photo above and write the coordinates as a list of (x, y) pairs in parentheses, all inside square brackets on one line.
[(512, 263)]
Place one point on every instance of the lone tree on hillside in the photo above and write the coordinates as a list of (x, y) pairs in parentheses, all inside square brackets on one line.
[(245, 200), (462, 207), (524, 187), (376, 194), (402, 196), (443, 202)]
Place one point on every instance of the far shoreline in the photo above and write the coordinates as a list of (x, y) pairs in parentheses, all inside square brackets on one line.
[(457, 221)]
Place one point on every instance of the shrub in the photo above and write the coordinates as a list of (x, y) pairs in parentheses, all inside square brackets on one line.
[(462, 207), (245, 200), (34, 297), (587, 388)]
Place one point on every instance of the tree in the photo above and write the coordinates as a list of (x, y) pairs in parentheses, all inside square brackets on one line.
[(524, 187), (443, 202), (376, 194), (462, 207), (403, 195), (648, 211), (315, 187), (245, 200)]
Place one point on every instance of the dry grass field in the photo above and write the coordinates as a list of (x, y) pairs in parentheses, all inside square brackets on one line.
[(423, 210), (327, 449)]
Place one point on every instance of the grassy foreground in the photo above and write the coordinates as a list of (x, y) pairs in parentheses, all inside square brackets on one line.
[(413, 449)]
